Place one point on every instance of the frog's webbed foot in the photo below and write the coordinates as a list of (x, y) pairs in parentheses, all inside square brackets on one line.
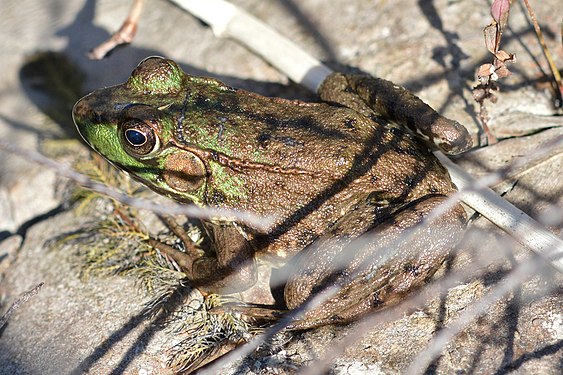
[(367, 94), (231, 269), (376, 269)]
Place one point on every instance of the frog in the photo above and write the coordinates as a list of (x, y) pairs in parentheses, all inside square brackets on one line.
[(346, 181)]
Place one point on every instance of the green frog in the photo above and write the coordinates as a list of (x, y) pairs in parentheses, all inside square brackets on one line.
[(346, 181)]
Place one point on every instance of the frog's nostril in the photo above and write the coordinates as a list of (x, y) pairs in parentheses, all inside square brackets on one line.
[(80, 109), (83, 111)]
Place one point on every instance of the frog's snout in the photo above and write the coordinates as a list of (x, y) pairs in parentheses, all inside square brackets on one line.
[(85, 117), (80, 112), (82, 109)]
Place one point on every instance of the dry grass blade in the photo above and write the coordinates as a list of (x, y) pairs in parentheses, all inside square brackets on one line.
[(18, 303), (441, 339), (547, 54), (254, 221), (203, 335), (250, 347)]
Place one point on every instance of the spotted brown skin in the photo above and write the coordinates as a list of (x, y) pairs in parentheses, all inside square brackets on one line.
[(329, 173)]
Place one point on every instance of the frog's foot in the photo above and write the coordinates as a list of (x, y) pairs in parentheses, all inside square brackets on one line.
[(378, 268), (207, 274)]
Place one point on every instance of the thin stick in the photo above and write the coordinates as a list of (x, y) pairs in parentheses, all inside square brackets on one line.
[(124, 35), (227, 20), (252, 220), (517, 277), (503, 214), (474, 193), (247, 349), (554, 70)]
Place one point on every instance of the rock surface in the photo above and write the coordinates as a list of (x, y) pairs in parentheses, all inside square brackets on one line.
[(431, 47)]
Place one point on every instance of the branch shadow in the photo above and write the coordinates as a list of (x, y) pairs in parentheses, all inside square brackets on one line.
[(175, 300), (536, 354)]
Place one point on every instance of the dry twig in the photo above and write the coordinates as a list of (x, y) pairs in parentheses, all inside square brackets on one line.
[(252, 220), (489, 74), (547, 54), (19, 302), (124, 35)]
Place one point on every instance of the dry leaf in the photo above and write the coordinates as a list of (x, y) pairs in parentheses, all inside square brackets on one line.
[(499, 11), (504, 56), (490, 34), (485, 70), (502, 71)]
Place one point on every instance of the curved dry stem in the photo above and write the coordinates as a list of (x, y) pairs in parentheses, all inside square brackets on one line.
[(228, 20)]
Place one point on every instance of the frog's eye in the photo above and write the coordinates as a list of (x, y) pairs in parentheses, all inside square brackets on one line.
[(139, 138)]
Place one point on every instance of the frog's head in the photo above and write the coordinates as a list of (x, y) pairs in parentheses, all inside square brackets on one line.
[(133, 124)]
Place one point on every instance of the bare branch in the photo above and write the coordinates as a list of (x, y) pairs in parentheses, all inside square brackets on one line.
[(547, 54), (124, 35)]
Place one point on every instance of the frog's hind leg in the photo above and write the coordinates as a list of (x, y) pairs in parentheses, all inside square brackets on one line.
[(376, 269)]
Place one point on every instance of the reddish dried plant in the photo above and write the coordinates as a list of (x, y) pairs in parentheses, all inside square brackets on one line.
[(489, 74)]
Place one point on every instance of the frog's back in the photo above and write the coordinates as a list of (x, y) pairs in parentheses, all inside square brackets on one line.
[(295, 153)]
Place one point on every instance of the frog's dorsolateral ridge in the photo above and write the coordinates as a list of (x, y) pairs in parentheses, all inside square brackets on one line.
[(347, 181)]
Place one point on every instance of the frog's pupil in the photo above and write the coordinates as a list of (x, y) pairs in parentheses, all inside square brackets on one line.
[(135, 137)]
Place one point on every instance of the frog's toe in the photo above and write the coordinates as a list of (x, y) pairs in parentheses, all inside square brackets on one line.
[(450, 136)]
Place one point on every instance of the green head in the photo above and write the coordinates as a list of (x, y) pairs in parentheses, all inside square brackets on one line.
[(133, 126)]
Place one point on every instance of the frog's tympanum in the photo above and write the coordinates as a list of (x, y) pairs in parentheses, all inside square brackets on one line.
[(347, 181)]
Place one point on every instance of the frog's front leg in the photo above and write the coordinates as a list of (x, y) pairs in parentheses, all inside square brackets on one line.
[(369, 95), (377, 268), (230, 269)]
